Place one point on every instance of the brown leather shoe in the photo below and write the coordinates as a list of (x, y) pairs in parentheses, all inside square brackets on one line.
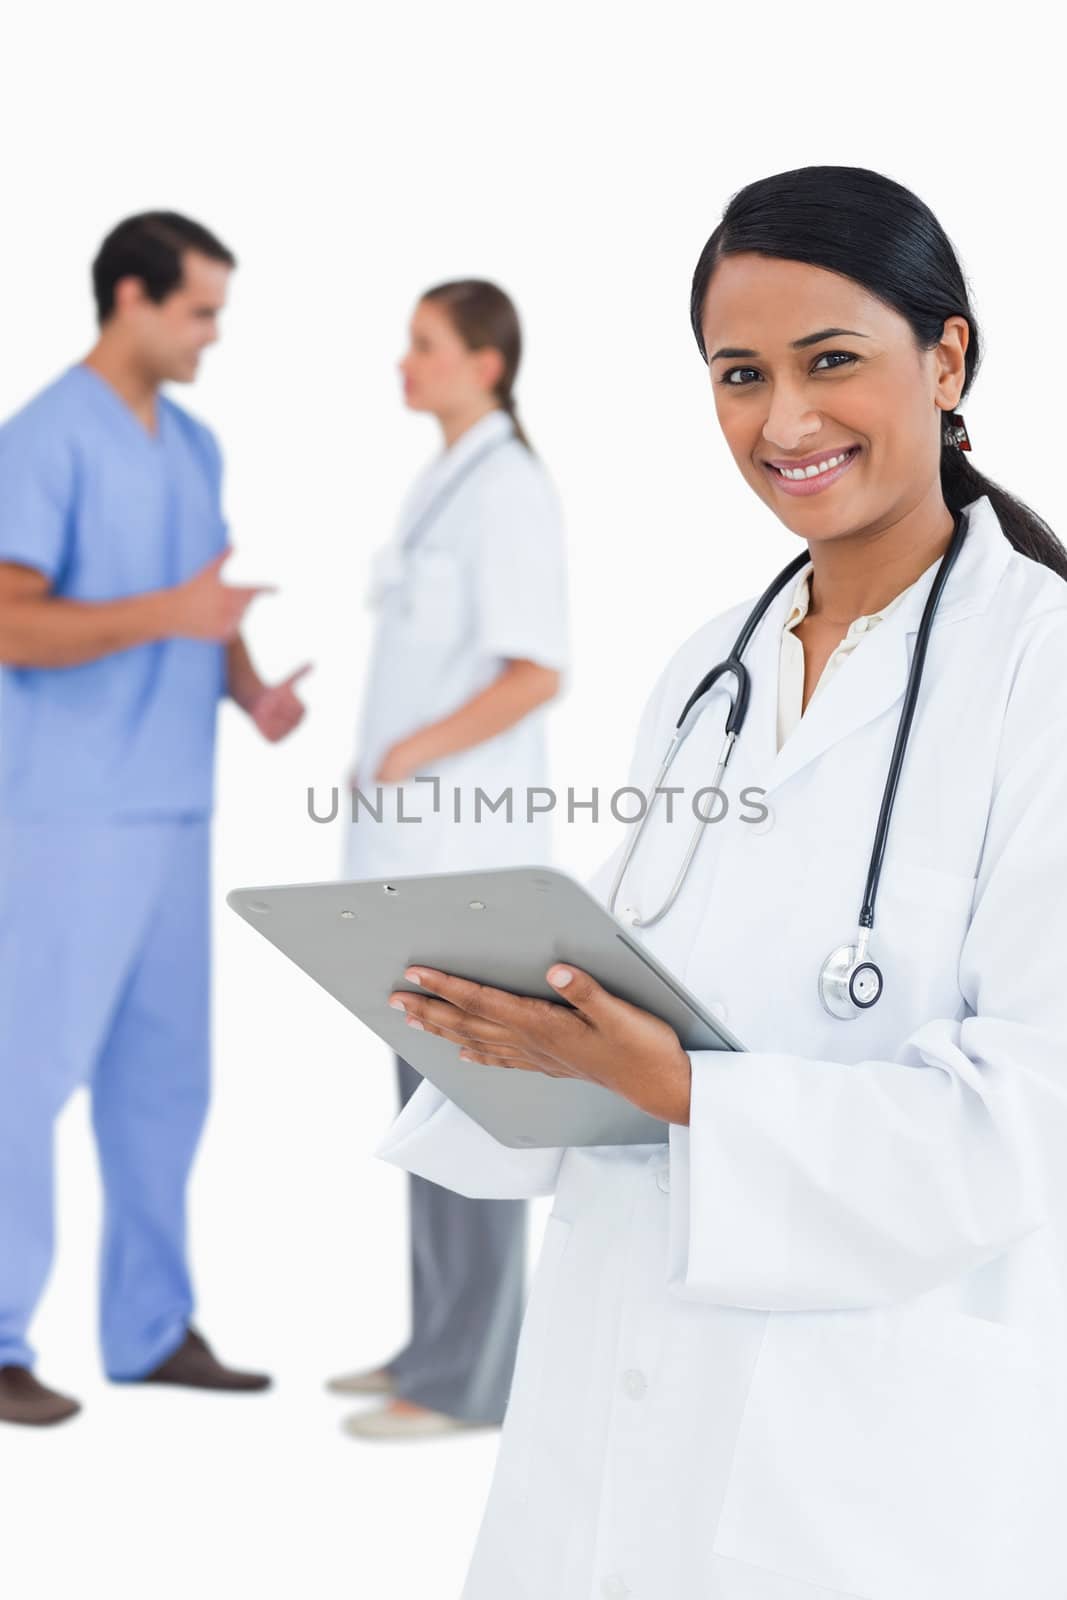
[(26, 1401), (194, 1366)]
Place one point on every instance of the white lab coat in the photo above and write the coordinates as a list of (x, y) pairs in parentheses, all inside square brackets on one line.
[(815, 1347), (486, 581)]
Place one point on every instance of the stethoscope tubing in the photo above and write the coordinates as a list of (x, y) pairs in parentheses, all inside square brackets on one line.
[(400, 549), (447, 490), (900, 743), (734, 666), (733, 663)]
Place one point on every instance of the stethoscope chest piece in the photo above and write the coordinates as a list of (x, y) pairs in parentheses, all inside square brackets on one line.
[(849, 983)]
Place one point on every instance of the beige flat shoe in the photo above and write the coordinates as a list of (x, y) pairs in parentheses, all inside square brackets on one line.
[(386, 1423), (374, 1381)]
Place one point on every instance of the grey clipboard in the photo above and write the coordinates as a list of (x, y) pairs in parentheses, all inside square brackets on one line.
[(502, 926)]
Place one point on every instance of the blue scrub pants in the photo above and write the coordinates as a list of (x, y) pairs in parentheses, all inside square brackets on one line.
[(104, 981)]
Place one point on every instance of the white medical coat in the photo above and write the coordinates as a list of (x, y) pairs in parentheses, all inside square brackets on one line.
[(815, 1347), (484, 581)]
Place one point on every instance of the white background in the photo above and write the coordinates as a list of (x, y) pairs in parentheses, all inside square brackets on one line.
[(580, 155)]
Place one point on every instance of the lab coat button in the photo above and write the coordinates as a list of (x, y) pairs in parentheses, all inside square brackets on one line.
[(718, 1009), (761, 824), (663, 1179), (634, 1384), (614, 1587)]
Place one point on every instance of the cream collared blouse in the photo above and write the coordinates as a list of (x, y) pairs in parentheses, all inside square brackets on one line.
[(791, 660)]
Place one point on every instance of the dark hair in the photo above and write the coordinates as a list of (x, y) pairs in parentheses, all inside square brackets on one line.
[(150, 246), (486, 318), (868, 228)]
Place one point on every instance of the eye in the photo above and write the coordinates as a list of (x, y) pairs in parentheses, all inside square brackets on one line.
[(836, 356)]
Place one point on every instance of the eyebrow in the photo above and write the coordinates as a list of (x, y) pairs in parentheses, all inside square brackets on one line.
[(797, 344)]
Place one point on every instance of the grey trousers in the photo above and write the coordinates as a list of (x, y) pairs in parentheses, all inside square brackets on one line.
[(468, 1266)]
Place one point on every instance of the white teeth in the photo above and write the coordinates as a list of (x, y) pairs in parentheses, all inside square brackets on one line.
[(815, 469)]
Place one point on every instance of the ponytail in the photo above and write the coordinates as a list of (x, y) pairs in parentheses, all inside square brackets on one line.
[(485, 318), (1024, 529), (507, 403)]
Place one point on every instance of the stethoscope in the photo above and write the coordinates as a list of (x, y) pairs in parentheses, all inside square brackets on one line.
[(390, 563), (848, 982)]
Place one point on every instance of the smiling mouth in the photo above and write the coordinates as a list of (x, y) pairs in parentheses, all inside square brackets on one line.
[(815, 469)]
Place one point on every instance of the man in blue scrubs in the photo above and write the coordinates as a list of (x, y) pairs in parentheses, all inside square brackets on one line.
[(118, 636)]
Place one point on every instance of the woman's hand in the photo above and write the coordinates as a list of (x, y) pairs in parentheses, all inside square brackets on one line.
[(596, 1036), (400, 761)]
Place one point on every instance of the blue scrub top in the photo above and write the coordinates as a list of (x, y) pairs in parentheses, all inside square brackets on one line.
[(105, 509)]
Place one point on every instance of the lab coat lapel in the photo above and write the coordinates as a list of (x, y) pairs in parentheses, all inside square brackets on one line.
[(435, 481), (389, 561), (759, 737), (872, 681)]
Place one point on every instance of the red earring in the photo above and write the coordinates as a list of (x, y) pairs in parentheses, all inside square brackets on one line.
[(956, 431)]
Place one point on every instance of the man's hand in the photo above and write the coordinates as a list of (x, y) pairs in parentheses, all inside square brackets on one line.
[(203, 607), (597, 1036), (277, 708)]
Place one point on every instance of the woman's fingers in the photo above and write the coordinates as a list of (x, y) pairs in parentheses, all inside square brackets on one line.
[(485, 1042), (496, 1028), (590, 1000), (468, 1054), (441, 1016), (516, 1012), (467, 1040), (548, 1069), (447, 1023)]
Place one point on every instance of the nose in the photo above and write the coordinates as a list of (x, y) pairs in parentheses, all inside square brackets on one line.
[(790, 423)]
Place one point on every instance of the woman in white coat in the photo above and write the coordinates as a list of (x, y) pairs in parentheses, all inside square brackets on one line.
[(814, 1347), (470, 646)]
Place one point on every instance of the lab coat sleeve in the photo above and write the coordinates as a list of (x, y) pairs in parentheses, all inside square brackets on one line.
[(808, 1184), (433, 1138), (36, 492), (521, 569)]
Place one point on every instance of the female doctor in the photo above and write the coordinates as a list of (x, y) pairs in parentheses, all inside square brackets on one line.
[(470, 645), (814, 1347)]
